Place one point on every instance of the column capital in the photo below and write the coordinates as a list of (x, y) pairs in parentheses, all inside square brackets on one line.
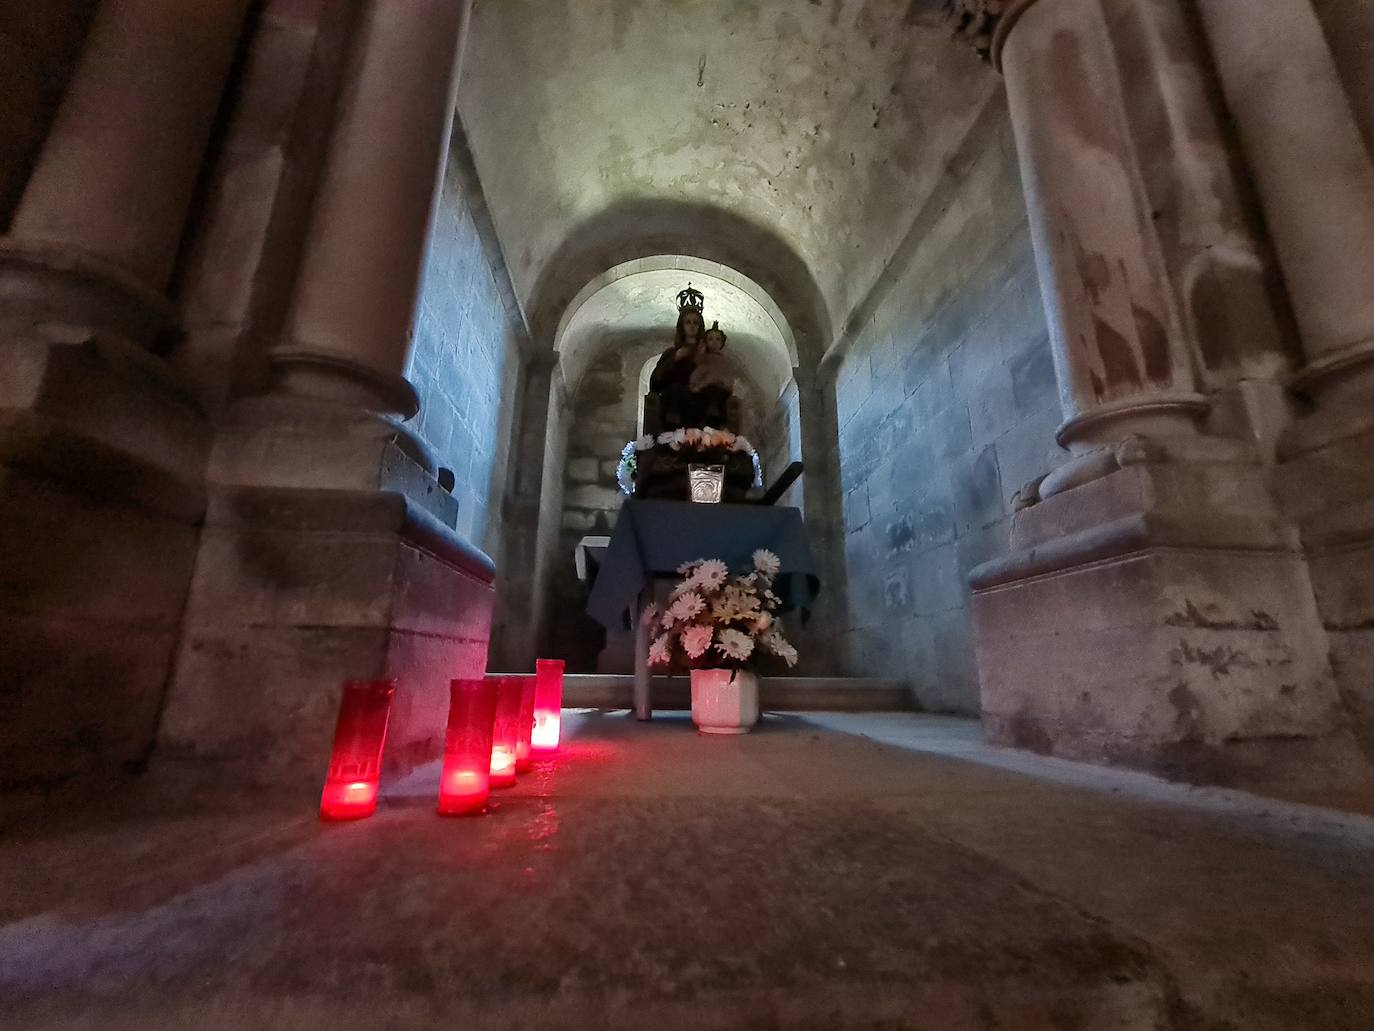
[(984, 24)]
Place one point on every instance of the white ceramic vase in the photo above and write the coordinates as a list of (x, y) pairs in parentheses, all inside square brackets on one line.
[(725, 701)]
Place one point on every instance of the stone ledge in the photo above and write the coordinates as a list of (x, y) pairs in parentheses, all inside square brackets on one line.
[(1139, 532), (329, 510), (786, 694)]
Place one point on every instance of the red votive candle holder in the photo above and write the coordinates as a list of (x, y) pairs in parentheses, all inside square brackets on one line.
[(355, 765), (464, 781), (507, 732), (548, 704), (523, 759)]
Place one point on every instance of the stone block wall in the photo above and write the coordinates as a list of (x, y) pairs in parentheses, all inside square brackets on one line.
[(601, 420), (296, 591), (779, 442), (465, 363), (947, 405)]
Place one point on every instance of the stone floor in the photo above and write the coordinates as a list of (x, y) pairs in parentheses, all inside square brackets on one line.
[(807, 876)]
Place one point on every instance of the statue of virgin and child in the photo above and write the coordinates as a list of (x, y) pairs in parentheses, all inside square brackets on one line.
[(692, 379)]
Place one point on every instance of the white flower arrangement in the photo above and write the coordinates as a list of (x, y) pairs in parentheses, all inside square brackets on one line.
[(714, 619), (704, 439)]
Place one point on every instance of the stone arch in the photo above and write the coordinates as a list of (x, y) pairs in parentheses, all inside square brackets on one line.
[(632, 307), (638, 229)]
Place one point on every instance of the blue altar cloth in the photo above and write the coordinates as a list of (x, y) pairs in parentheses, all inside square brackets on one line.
[(653, 537)]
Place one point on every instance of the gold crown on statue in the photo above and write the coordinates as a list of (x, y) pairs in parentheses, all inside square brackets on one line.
[(690, 298)]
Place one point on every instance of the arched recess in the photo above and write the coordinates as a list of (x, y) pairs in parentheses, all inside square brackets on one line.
[(640, 229), (636, 301), (700, 240)]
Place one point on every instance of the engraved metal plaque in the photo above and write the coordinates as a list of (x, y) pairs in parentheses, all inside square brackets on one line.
[(706, 483)]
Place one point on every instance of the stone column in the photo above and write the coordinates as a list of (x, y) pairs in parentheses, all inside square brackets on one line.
[(1155, 609), (1229, 293), (1315, 180), (107, 201), (329, 550), (1121, 354), (348, 333), (1314, 177), (96, 435)]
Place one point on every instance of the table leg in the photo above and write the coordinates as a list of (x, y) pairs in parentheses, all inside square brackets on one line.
[(643, 707)]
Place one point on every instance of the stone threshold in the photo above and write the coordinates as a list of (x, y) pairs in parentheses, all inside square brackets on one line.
[(776, 694)]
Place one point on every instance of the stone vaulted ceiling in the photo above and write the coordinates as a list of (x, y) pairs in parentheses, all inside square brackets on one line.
[(796, 137)]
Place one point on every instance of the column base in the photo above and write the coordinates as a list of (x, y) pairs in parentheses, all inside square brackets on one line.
[(331, 377), (1163, 617), (101, 465), (297, 590), (57, 294), (1150, 415)]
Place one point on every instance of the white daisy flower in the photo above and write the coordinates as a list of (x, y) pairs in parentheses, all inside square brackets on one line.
[(686, 606), (766, 562), (734, 644), (773, 641), (711, 574)]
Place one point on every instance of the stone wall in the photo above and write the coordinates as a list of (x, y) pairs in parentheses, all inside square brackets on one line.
[(779, 441), (947, 406), (602, 419), (466, 360)]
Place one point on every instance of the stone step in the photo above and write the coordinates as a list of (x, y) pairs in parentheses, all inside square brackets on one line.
[(777, 694)]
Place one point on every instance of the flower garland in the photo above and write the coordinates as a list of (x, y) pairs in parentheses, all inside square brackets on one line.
[(703, 439), (714, 620)]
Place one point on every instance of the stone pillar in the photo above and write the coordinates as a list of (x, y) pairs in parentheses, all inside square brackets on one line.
[(1123, 361), (96, 232), (329, 550), (1315, 180), (97, 437), (1155, 610), (1314, 177), (348, 334), (1230, 296)]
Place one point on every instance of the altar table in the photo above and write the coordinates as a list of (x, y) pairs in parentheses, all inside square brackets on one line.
[(652, 538)]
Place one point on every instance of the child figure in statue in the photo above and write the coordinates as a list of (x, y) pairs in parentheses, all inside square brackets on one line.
[(711, 382)]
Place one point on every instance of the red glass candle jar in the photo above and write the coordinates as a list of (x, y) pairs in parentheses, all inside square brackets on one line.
[(507, 732), (355, 765), (548, 704), (464, 781), (523, 759)]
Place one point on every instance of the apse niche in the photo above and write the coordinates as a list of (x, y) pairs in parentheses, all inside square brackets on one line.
[(607, 343)]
